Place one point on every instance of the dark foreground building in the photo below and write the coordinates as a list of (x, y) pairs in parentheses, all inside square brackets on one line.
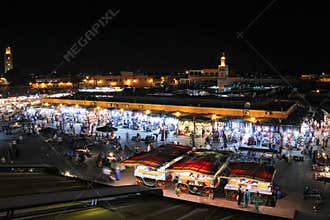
[(40, 192)]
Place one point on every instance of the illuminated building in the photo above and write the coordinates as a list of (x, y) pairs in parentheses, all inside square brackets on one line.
[(125, 78), (51, 84), (212, 76), (8, 60), (323, 77), (3, 82)]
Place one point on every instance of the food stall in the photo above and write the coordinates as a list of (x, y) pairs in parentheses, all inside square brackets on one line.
[(255, 177), (322, 157), (150, 167), (323, 174), (322, 166), (186, 127), (199, 172)]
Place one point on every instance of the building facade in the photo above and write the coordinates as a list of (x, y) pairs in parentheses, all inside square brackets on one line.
[(125, 78), (213, 76), (51, 83), (8, 60)]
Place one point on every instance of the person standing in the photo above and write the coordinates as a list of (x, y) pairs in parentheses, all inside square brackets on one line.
[(166, 134), (117, 173), (127, 137), (162, 134), (257, 201), (246, 198), (239, 196), (156, 135), (118, 141), (224, 137), (207, 140)]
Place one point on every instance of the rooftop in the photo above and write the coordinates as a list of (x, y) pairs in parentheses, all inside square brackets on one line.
[(204, 162), (157, 156), (251, 170), (209, 101)]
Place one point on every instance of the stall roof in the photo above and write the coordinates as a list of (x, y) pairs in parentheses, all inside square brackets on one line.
[(157, 156), (202, 161), (251, 170)]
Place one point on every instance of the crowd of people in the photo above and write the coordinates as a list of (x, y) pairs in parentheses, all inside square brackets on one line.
[(82, 122)]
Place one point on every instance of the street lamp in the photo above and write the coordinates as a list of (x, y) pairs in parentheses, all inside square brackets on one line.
[(177, 114)]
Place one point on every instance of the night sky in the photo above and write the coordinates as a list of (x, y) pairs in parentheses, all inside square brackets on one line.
[(171, 37)]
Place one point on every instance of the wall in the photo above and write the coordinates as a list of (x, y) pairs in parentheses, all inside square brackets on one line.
[(227, 112)]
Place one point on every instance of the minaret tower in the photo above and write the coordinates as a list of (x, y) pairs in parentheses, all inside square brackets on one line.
[(8, 60), (223, 72), (223, 60), (223, 67)]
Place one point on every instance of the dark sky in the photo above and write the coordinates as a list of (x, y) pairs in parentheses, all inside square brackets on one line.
[(159, 37)]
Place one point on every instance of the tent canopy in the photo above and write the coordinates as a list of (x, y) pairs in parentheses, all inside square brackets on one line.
[(158, 156), (251, 170), (203, 162)]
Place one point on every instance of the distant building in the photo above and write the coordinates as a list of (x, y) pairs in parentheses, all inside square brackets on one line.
[(3, 81), (209, 77), (51, 83), (325, 78), (8, 60), (125, 78), (309, 76)]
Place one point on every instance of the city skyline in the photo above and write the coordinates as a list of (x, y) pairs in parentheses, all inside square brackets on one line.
[(169, 39)]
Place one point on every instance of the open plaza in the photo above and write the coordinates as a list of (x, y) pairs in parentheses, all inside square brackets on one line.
[(248, 163)]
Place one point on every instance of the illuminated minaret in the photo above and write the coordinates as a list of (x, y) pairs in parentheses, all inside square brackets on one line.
[(223, 72), (8, 60), (223, 60), (223, 67)]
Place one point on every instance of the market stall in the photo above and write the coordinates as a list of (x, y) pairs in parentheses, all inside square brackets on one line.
[(322, 161), (323, 173), (198, 173), (255, 177), (186, 127), (150, 167)]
